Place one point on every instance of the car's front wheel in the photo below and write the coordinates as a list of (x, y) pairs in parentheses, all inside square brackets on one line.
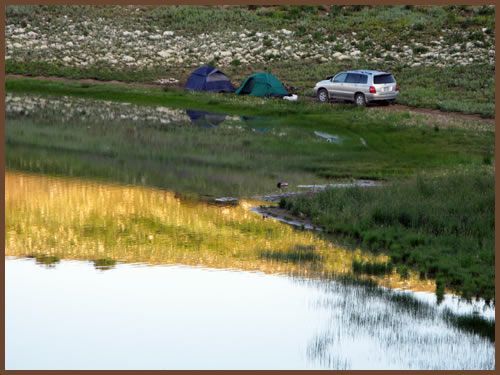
[(360, 100), (323, 95)]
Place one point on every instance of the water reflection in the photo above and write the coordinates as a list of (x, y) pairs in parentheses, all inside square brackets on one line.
[(104, 264), (75, 219), (393, 331), (205, 119), (156, 146), (106, 223), (72, 109), (180, 317)]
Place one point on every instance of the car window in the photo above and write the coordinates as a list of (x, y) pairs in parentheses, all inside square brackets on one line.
[(352, 78), (340, 77), (363, 78), (383, 78)]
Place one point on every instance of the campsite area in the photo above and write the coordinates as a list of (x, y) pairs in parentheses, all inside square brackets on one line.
[(182, 202)]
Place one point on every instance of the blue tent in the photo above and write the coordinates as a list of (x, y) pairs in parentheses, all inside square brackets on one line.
[(208, 78)]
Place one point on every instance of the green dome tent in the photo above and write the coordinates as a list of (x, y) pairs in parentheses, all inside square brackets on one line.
[(262, 84)]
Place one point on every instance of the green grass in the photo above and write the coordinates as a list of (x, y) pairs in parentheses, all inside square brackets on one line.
[(227, 103), (468, 89), (234, 158), (441, 226)]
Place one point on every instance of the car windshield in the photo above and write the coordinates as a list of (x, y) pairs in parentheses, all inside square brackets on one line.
[(383, 78)]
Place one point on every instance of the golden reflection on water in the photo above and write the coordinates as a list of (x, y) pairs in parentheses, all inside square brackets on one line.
[(76, 219)]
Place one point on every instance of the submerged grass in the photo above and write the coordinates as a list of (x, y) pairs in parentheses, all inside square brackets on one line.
[(401, 305), (46, 260), (439, 226)]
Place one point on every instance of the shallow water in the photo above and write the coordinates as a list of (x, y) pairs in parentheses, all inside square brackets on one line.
[(73, 316)]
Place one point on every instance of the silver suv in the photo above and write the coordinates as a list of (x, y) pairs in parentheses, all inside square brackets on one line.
[(359, 86)]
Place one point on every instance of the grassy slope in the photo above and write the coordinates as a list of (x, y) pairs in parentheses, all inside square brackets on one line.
[(442, 227), (467, 89)]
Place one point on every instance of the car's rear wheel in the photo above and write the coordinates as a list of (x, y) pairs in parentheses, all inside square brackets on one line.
[(360, 100), (323, 95)]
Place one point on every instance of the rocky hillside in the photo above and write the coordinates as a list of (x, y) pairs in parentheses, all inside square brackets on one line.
[(142, 37)]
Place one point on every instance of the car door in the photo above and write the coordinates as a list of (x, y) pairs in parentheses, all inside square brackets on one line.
[(351, 85), (336, 88)]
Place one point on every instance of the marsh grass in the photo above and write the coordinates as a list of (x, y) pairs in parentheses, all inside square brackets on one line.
[(441, 226), (398, 318)]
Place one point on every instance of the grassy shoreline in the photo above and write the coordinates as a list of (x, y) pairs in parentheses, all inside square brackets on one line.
[(441, 227)]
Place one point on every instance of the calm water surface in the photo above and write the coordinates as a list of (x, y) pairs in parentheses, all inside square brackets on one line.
[(73, 316)]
